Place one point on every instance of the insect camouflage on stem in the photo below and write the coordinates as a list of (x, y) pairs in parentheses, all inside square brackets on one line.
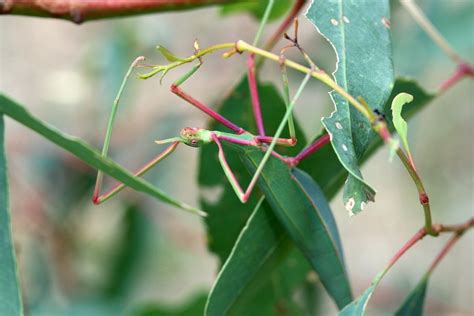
[(196, 137)]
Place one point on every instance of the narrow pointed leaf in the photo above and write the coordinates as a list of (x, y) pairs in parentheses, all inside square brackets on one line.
[(358, 306), (10, 297), (359, 32), (252, 263), (302, 209), (413, 304), (398, 122), (86, 153), (228, 216)]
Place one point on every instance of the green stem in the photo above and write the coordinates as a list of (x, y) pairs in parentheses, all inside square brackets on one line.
[(423, 196)]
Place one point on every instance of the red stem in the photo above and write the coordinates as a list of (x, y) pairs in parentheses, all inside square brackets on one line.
[(444, 251), (463, 70), (418, 236), (80, 11)]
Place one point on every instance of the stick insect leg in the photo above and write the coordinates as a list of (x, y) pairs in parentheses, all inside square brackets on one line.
[(108, 134), (324, 139), (257, 111), (175, 88), (243, 196), (100, 198), (307, 151)]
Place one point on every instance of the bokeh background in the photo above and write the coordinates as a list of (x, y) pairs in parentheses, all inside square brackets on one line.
[(76, 258)]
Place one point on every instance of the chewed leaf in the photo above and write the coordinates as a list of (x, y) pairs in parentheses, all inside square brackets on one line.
[(168, 55), (398, 121), (360, 36)]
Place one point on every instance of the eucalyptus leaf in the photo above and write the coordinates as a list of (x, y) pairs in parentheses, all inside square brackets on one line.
[(413, 304), (358, 306), (252, 263), (10, 296), (228, 216), (302, 209), (359, 32)]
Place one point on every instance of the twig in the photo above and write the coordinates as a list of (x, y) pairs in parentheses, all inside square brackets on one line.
[(79, 11), (463, 70)]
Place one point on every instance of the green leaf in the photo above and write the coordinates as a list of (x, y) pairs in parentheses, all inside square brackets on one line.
[(358, 306), (257, 8), (398, 122), (413, 304), (301, 208), (10, 297), (360, 35), (227, 215), (86, 153), (252, 263)]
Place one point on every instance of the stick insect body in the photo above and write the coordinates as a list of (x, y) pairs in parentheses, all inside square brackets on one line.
[(196, 137)]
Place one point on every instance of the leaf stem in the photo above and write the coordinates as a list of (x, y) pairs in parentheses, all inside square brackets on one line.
[(420, 234), (463, 70), (423, 196), (458, 231)]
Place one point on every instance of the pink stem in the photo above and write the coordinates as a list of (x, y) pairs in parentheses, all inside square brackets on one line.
[(257, 111), (179, 92), (418, 236), (444, 251), (464, 69)]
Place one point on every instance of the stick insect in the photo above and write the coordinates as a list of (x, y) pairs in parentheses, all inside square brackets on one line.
[(196, 137)]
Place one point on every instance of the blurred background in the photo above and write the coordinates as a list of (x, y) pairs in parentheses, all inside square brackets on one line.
[(80, 259)]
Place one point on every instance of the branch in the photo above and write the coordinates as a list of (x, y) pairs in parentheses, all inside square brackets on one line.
[(79, 11)]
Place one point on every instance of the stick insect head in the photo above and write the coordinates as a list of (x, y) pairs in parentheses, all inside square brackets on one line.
[(191, 136), (195, 137)]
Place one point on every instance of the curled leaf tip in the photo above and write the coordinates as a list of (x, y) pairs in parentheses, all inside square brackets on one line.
[(398, 121)]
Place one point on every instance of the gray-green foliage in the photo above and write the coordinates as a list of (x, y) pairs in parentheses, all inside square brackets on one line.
[(360, 34)]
